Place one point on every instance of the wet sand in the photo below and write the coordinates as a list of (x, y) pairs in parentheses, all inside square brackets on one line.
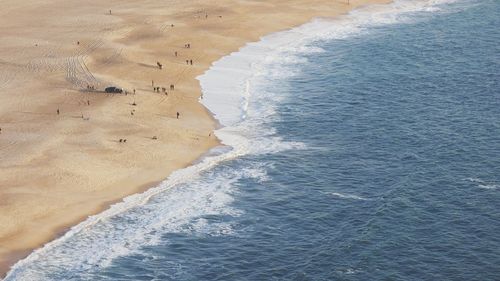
[(57, 169)]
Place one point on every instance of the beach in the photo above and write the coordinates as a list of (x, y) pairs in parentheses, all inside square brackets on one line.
[(69, 150)]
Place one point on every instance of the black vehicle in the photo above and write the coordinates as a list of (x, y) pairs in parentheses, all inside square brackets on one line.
[(115, 90)]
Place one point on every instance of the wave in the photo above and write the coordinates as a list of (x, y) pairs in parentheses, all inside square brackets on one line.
[(348, 196), (236, 90), (483, 184)]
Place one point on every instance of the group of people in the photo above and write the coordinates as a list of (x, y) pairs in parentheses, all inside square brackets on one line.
[(163, 89)]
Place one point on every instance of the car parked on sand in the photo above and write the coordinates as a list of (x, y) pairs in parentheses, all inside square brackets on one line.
[(113, 90)]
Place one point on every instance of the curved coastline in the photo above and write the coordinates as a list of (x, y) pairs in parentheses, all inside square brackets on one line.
[(230, 112)]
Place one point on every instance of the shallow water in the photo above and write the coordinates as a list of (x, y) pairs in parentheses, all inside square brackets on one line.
[(362, 149)]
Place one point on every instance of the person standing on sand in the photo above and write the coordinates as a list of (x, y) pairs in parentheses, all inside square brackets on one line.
[(178, 114), (58, 111)]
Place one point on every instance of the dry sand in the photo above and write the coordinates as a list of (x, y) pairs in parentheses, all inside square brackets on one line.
[(56, 170)]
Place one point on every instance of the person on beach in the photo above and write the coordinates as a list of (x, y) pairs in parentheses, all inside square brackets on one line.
[(191, 62), (172, 87), (88, 102), (175, 53), (152, 83), (178, 114), (58, 111)]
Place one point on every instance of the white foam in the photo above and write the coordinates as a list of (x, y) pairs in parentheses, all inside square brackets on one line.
[(231, 91), (483, 184), (348, 196), (489, 186), (228, 84)]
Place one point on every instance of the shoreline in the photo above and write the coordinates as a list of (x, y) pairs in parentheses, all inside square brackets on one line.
[(148, 182)]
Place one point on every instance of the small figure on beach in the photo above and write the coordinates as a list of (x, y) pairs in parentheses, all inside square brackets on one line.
[(160, 66), (58, 111), (78, 43), (152, 83), (110, 12), (154, 138), (163, 89), (175, 53), (172, 25), (187, 61), (172, 87), (121, 140), (191, 62), (134, 91), (88, 102), (178, 114)]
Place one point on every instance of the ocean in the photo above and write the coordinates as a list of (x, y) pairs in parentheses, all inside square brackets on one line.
[(361, 148)]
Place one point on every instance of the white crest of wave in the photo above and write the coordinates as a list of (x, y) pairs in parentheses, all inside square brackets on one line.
[(348, 196), (483, 184)]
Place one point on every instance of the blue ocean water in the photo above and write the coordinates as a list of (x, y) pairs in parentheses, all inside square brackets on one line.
[(369, 155)]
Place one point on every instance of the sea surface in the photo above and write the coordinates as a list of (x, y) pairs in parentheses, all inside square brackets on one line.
[(361, 148)]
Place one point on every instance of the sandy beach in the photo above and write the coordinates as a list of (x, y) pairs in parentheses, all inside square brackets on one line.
[(63, 154)]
